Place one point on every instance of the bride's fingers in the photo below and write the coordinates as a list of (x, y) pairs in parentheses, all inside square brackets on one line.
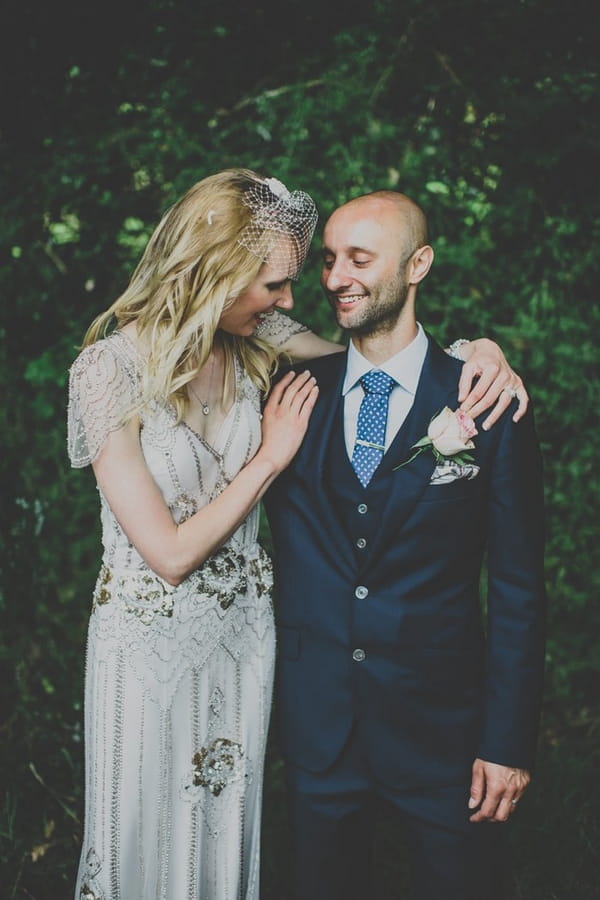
[(309, 401), (277, 390), (473, 404), (294, 387), (523, 398)]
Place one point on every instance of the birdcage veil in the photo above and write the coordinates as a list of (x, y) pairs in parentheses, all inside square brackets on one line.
[(281, 227)]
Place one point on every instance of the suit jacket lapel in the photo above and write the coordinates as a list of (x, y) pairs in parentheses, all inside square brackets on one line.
[(438, 387), (311, 456), (310, 461)]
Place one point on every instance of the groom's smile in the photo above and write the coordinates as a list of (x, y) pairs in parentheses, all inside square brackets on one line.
[(363, 273)]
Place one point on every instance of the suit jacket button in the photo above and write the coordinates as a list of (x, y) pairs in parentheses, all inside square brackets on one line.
[(361, 543), (361, 592), (358, 655), (362, 508)]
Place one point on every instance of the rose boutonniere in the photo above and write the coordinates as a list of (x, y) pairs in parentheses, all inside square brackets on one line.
[(449, 437)]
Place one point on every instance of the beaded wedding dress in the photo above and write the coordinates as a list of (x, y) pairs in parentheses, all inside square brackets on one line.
[(178, 679)]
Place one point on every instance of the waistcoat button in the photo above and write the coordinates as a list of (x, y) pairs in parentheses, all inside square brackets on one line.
[(361, 592), (362, 508), (358, 655)]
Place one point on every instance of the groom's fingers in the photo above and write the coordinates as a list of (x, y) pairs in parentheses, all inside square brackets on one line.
[(497, 788), (477, 785)]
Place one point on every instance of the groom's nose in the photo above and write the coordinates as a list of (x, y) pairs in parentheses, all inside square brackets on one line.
[(335, 277)]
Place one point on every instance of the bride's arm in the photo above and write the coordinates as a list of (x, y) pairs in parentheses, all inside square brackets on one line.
[(174, 550), (307, 345)]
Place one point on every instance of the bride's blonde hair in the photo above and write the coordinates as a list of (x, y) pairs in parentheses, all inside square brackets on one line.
[(191, 272)]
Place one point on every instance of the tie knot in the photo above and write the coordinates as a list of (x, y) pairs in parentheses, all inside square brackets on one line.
[(377, 382)]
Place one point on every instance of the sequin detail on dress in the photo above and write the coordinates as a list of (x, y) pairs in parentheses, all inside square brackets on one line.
[(218, 765), (93, 865), (276, 328)]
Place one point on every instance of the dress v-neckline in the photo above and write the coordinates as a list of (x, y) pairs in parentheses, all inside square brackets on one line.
[(217, 440), (212, 447)]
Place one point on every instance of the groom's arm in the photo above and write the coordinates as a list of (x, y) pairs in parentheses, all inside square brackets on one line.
[(516, 615)]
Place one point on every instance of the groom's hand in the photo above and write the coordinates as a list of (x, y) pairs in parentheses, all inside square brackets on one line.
[(496, 790)]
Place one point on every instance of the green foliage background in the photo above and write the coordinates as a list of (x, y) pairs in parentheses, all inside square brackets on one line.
[(487, 114)]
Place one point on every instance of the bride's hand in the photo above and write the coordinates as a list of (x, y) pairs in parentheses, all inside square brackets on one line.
[(285, 417), (496, 382)]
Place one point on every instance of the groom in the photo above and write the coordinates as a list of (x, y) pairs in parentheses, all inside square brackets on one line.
[(394, 691)]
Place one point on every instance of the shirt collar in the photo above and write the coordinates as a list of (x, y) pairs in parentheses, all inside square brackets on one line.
[(404, 367)]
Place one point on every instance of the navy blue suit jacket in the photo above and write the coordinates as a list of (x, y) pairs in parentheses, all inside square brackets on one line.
[(441, 682)]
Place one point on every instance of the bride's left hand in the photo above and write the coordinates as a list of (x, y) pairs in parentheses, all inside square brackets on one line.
[(496, 382)]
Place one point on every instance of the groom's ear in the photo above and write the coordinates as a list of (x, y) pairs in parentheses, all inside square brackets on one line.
[(419, 264)]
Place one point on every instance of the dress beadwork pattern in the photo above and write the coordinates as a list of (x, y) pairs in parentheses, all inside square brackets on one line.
[(178, 679)]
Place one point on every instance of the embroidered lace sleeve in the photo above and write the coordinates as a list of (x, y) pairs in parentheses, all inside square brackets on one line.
[(103, 392), (277, 328)]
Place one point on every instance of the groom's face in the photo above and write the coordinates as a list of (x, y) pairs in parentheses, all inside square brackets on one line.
[(364, 266)]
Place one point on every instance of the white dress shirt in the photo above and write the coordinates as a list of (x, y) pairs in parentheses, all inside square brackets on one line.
[(404, 367)]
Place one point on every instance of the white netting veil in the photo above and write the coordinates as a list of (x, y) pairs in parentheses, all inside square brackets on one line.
[(281, 227)]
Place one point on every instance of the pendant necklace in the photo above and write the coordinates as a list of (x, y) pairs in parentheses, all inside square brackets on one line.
[(203, 404)]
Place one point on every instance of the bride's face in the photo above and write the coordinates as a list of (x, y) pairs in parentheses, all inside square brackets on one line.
[(270, 289)]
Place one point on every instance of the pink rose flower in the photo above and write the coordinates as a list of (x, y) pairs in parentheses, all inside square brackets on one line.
[(451, 432)]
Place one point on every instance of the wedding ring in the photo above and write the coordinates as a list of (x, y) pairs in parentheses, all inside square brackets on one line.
[(511, 392), (513, 802)]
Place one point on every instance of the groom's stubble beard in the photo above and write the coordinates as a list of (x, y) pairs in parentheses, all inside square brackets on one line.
[(381, 313)]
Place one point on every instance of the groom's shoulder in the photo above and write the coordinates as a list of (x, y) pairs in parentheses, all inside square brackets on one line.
[(320, 366), (440, 357)]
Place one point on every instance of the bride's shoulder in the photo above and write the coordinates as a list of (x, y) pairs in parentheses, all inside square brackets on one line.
[(104, 392), (115, 351)]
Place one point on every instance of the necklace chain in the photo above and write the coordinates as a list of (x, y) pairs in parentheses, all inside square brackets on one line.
[(203, 404)]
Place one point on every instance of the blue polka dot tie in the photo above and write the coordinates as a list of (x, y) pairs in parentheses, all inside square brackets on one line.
[(372, 419)]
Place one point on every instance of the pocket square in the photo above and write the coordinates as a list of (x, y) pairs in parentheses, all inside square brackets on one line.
[(450, 471)]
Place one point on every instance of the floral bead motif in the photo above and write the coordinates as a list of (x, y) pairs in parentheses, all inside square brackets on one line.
[(152, 596), (102, 592), (219, 764), (86, 893), (143, 593), (261, 571), (185, 505), (93, 865), (225, 573), (217, 701)]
